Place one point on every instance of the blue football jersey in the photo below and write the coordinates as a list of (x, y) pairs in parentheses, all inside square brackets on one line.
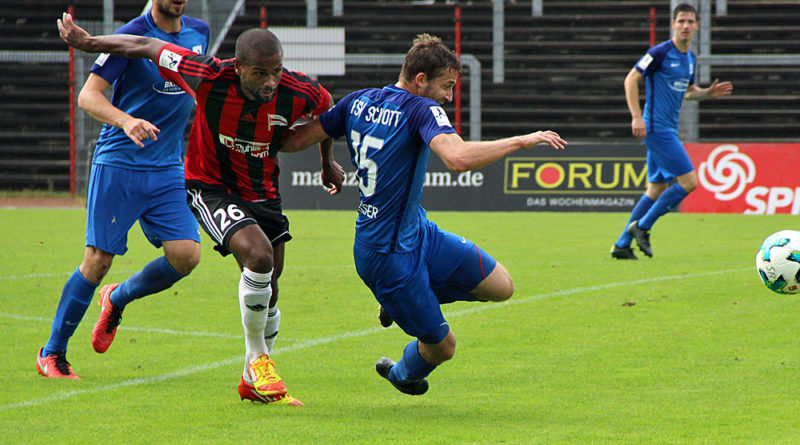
[(140, 91), (668, 72), (388, 131)]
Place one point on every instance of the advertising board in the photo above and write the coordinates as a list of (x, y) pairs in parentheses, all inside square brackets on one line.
[(748, 178), (583, 177)]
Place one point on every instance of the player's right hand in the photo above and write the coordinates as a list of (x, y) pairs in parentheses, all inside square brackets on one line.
[(71, 33), (140, 130), (638, 128)]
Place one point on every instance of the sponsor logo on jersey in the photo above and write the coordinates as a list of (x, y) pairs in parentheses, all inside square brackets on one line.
[(167, 87), (255, 149), (679, 85), (440, 116), (169, 60), (277, 120)]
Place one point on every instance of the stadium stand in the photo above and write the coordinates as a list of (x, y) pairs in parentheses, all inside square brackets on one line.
[(563, 70)]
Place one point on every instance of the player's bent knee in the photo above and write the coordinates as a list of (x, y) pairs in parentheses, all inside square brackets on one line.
[(507, 290), (183, 255), (689, 186), (447, 348), (498, 286), (95, 264), (256, 257), (441, 352)]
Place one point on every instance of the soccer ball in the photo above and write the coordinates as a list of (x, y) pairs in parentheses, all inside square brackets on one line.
[(778, 262)]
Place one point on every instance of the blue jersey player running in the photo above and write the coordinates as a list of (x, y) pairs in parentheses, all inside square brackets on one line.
[(411, 265), (668, 70), (137, 174)]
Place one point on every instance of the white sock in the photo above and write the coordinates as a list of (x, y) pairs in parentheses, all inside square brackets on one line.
[(271, 330), (254, 295)]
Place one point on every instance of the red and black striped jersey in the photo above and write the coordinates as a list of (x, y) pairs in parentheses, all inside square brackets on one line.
[(234, 140)]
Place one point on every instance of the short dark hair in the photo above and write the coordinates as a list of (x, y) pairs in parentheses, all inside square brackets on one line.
[(430, 56), (257, 42), (684, 7)]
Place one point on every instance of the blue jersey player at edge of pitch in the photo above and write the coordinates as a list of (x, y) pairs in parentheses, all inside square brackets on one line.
[(137, 174), (668, 70), (409, 264)]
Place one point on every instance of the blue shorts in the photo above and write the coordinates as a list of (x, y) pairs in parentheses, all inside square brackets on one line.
[(119, 196), (666, 157), (411, 286)]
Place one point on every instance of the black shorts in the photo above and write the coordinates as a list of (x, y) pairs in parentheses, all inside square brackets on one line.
[(222, 214)]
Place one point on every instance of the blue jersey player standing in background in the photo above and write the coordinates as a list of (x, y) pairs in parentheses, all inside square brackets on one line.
[(668, 70), (411, 265), (137, 174)]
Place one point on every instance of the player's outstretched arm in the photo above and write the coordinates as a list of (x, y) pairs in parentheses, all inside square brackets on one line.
[(715, 90), (459, 155), (302, 136), (125, 45)]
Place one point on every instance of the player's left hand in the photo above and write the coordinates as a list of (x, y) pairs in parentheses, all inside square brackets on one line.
[(333, 177), (719, 89), (71, 33)]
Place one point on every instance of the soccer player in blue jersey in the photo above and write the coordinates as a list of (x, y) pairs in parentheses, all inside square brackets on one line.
[(668, 70), (411, 265), (137, 174)]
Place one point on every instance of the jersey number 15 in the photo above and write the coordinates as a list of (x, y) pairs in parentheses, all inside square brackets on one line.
[(367, 168)]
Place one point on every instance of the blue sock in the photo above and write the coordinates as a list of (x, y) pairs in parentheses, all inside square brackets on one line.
[(75, 299), (667, 201), (639, 211), (156, 276), (411, 366)]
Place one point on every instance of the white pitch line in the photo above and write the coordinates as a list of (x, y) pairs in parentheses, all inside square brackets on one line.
[(131, 328), (34, 275), (124, 328), (346, 335)]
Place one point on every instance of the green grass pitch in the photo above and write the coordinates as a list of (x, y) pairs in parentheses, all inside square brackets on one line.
[(686, 347)]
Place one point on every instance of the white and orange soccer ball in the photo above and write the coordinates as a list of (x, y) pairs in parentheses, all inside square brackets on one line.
[(778, 262)]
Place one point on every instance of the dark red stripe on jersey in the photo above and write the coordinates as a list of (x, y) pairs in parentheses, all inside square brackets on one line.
[(305, 87), (264, 132), (176, 78), (201, 160)]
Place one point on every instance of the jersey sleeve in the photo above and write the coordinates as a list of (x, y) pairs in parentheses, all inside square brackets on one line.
[(186, 68), (651, 61), (323, 103), (429, 120), (333, 121), (110, 67)]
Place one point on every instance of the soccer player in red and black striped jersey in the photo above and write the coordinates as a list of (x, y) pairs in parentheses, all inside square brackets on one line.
[(244, 106)]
